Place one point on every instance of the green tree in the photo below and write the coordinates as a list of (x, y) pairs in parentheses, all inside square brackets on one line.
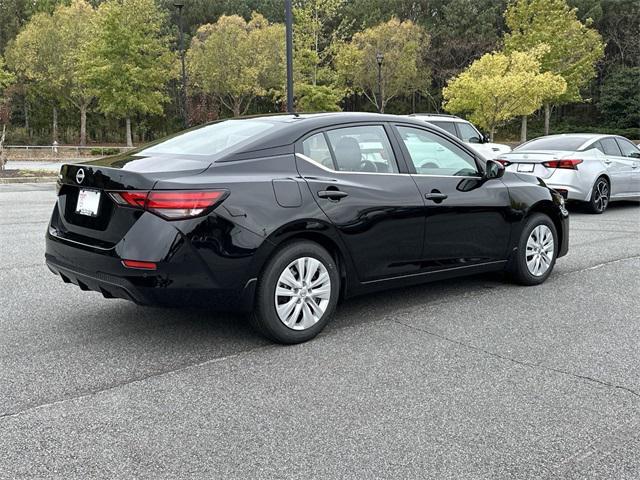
[(6, 79), (35, 57), (499, 86), (620, 98), (317, 98), (403, 45), (574, 47), (236, 61), (127, 61)]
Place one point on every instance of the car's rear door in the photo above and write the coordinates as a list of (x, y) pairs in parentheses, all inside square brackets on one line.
[(354, 175), (619, 168), (466, 217), (632, 154)]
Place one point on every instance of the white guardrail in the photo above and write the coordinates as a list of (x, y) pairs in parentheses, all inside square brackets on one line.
[(59, 152)]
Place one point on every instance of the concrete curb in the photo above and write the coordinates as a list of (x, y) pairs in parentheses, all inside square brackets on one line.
[(28, 180)]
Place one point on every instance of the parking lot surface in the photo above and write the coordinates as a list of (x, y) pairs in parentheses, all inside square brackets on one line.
[(471, 378)]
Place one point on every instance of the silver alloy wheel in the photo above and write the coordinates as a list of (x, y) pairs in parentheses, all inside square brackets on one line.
[(601, 195), (540, 250), (302, 293)]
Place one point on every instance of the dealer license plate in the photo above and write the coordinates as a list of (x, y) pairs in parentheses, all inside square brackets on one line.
[(88, 202)]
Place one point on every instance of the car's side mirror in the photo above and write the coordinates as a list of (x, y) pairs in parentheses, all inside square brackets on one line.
[(474, 140), (486, 138), (493, 169), (634, 154)]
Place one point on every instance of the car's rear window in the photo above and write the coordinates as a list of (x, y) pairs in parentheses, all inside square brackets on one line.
[(448, 126), (212, 139), (568, 144)]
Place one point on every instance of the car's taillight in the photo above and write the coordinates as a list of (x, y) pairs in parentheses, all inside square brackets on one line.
[(172, 205), (505, 163), (568, 163)]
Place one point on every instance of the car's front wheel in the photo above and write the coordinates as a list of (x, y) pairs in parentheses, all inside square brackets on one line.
[(537, 250), (297, 293)]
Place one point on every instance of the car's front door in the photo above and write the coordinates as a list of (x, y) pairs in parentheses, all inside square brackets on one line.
[(466, 216), (355, 177)]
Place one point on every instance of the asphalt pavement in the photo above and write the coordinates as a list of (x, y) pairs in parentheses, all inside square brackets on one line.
[(463, 379)]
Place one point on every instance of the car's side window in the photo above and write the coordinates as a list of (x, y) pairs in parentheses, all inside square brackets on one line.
[(362, 149), (610, 146), (434, 155), (595, 146), (468, 133), (447, 126), (315, 147), (628, 148)]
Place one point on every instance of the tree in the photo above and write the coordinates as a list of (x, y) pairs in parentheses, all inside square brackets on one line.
[(620, 98), (403, 45), (236, 61), (127, 61), (6, 79), (317, 98), (573, 47), (500, 86), (35, 57)]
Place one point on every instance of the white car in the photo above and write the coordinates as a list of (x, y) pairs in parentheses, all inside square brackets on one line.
[(586, 167), (465, 131)]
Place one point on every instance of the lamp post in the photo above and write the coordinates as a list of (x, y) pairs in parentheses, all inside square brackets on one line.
[(289, 47), (183, 93), (380, 59)]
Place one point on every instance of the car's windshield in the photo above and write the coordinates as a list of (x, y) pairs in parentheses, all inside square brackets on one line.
[(212, 139), (568, 144)]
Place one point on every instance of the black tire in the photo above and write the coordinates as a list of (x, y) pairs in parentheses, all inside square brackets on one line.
[(519, 270), (265, 318), (600, 196)]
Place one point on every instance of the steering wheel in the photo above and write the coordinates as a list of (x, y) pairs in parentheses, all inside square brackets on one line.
[(368, 166)]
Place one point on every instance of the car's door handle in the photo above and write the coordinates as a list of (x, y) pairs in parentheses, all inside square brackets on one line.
[(435, 196), (607, 162), (635, 165), (332, 194)]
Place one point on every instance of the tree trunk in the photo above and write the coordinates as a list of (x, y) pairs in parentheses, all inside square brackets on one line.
[(2, 154), (26, 116), (128, 132), (492, 132), (236, 109), (55, 125), (547, 117), (523, 129), (83, 125)]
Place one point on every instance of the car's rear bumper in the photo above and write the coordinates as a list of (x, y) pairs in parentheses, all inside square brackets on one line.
[(182, 283)]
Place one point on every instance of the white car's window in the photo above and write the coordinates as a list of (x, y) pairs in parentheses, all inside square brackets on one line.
[(362, 149), (564, 143), (316, 148), (433, 155), (628, 148), (448, 126), (610, 147), (468, 133)]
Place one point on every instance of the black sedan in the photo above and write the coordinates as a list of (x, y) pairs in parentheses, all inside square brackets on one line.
[(281, 216)]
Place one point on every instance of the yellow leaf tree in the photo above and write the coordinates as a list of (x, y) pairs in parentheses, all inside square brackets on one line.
[(499, 86)]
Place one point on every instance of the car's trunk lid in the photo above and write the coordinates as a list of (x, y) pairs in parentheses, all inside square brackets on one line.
[(104, 223), (531, 162)]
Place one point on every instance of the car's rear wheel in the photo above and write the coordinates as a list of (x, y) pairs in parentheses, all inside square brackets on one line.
[(537, 250), (297, 293), (600, 196)]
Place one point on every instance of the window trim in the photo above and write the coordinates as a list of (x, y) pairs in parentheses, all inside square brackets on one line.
[(411, 167)]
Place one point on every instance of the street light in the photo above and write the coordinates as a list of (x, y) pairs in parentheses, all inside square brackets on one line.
[(380, 59), (183, 93), (289, 47)]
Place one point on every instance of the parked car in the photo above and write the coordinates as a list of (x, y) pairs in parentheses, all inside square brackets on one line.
[(281, 216), (590, 168), (465, 131)]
